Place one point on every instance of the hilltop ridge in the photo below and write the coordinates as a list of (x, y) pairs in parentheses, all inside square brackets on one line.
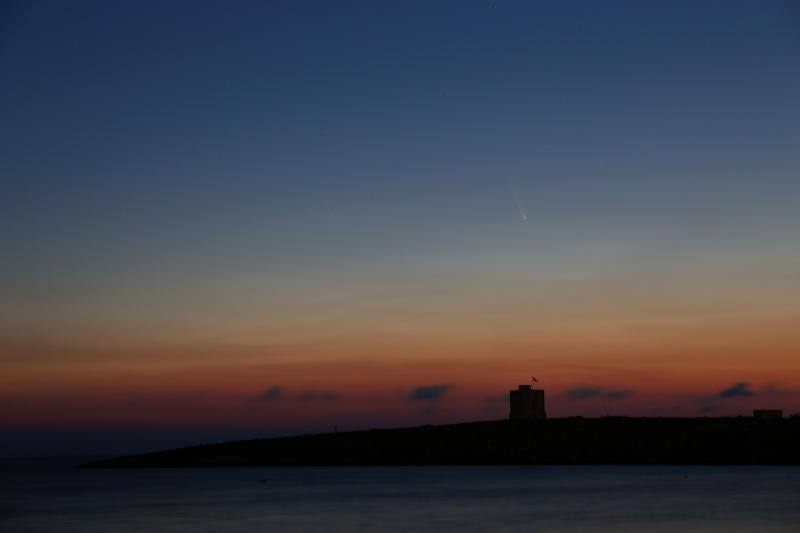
[(611, 440)]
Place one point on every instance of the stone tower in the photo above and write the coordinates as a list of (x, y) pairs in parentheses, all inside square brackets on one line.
[(526, 403)]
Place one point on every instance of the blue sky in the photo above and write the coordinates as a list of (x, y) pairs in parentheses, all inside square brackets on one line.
[(160, 123)]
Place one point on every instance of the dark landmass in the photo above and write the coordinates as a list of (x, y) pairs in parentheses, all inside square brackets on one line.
[(554, 441)]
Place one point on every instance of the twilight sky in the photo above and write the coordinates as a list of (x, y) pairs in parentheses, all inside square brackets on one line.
[(225, 219)]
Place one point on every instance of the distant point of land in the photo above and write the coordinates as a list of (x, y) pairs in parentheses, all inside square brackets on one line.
[(612, 440)]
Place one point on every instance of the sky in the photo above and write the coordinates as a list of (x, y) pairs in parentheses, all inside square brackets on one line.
[(239, 219)]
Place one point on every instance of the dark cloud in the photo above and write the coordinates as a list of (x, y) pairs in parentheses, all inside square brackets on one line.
[(306, 396), (313, 395), (583, 393), (429, 392), (737, 390), (277, 393), (618, 394), (586, 393), (329, 395), (744, 389), (270, 394), (428, 410)]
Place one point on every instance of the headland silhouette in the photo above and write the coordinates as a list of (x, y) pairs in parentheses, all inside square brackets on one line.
[(526, 437)]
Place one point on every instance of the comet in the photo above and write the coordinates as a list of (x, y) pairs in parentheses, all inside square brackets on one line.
[(522, 214)]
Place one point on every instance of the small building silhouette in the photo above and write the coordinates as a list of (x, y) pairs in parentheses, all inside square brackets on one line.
[(767, 414), (526, 403)]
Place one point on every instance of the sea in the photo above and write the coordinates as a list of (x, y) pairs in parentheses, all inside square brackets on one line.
[(53, 495)]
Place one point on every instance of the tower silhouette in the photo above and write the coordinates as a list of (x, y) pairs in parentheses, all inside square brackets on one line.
[(526, 403)]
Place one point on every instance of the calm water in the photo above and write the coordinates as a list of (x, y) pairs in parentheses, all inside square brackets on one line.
[(557, 498)]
